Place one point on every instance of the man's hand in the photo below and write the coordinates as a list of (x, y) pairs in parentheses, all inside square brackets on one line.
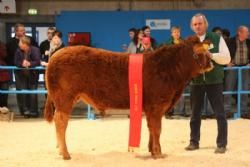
[(230, 64), (26, 63)]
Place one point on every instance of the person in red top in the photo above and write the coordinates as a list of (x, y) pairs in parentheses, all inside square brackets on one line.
[(4, 76)]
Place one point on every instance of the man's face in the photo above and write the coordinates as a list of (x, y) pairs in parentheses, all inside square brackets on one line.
[(147, 32), (20, 32), (199, 26), (243, 33), (131, 34), (50, 34)]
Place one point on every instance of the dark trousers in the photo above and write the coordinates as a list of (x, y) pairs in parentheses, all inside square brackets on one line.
[(26, 102), (4, 97), (215, 97)]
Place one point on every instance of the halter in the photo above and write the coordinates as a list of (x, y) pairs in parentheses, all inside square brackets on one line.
[(196, 57)]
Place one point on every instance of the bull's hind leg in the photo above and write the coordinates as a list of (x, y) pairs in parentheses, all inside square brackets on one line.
[(61, 123), (154, 126)]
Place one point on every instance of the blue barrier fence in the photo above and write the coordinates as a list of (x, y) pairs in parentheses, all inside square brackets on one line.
[(90, 114)]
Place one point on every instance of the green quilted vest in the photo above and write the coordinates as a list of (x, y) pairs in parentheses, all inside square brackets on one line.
[(216, 75)]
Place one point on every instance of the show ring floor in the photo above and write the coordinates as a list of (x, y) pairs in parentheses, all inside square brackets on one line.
[(104, 142)]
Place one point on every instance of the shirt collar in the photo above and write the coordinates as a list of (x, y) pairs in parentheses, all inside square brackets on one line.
[(202, 37)]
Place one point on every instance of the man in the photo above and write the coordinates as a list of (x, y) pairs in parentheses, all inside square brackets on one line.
[(27, 56), (239, 47), (45, 45), (12, 46), (210, 83)]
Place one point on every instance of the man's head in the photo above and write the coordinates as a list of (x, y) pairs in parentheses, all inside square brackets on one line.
[(50, 32), (19, 30), (199, 24), (131, 33), (146, 31), (242, 33), (24, 43)]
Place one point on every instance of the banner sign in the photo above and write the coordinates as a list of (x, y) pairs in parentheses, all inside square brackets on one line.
[(158, 24)]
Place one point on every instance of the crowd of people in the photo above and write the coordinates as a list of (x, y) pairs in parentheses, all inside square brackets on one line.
[(24, 52)]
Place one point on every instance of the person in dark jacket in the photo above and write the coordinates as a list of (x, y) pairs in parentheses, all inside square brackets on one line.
[(56, 43), (239, 47), (27, 56), (4, 76)]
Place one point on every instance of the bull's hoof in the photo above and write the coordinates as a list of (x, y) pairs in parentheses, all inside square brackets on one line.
[(67, 157), (158, 156)]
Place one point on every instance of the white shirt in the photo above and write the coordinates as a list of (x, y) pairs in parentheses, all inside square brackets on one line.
[(223, 56)]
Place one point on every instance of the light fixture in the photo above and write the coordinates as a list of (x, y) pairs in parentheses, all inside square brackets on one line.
[(32, 11)]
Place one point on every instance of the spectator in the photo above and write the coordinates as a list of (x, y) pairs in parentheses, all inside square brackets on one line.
[(45, 45), (4, 76), (147, 33), (12, 46), (142, 43), (55, 44), (239, 48), (132, 46), (225, 34), (175, 38), (27, 56), (217, 30), (210, 83)]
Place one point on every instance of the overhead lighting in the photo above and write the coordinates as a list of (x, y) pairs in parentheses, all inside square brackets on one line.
[(32, 11)]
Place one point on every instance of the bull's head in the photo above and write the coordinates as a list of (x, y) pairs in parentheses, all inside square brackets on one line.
[(201, 54)]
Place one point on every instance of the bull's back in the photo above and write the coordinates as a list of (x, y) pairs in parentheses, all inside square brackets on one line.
[(99, 74)]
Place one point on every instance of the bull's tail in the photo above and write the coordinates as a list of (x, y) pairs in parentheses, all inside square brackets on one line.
[(49, 110)]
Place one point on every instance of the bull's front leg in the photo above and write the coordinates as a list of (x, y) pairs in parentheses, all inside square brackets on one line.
[(61, 123), (154, 126)]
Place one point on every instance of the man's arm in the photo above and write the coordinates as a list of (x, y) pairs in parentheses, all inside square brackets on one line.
[(223, 56)]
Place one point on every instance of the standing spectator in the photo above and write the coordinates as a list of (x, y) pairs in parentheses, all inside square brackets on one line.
[(55, 44), (225, 34), (12, 46), (147, 33), (4, 76), (175, 38), (239, 48), (27, 56), (210, 83), (45, 45), (132, 46)]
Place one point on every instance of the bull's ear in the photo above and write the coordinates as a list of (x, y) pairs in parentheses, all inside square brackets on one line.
[(206, 44)]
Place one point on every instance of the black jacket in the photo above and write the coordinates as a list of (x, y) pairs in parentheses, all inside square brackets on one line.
[(231, 43), (12, 46)]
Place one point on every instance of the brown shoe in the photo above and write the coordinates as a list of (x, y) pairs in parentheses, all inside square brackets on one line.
[(192, 147), (220, 150)]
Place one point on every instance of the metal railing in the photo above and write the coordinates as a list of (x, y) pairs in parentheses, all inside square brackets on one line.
[(90, 114)]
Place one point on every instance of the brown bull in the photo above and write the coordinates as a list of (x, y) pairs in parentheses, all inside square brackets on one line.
[(100, 78)]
